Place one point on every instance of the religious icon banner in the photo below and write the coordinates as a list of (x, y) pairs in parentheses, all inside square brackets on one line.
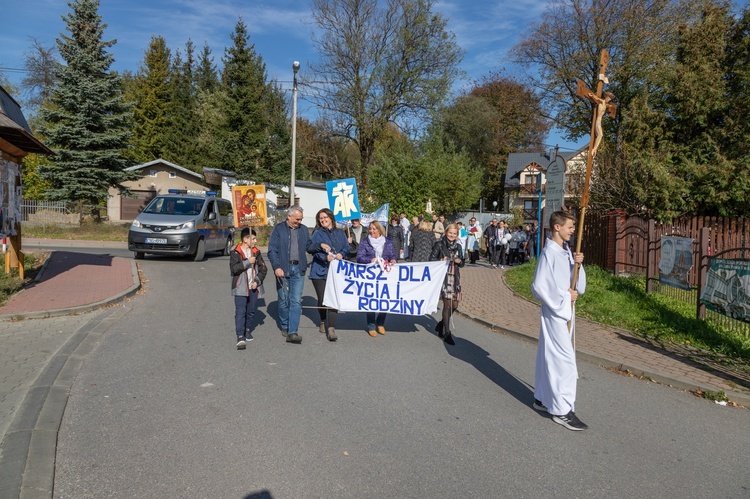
[(249, 205), (727, 289), (343, 199), (676, 261), (404, 288)]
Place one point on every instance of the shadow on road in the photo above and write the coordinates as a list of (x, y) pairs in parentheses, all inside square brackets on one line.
[(478, 357)]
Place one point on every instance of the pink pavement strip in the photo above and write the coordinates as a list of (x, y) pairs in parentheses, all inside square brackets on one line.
[(71, 280), (486, 297)]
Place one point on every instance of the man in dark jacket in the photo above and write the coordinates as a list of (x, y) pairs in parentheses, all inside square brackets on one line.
[(287, 247), (491, 240)]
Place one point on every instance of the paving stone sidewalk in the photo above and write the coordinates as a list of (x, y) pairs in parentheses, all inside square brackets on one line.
[(46, 331), (487, 299)]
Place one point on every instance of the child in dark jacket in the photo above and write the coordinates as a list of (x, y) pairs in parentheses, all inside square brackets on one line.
[(248, 271)]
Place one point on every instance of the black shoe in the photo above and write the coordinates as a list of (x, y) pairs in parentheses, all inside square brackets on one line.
[(537, 405), (449, 339), (570, 421), (293, 338), (241, 343), (439, 329)]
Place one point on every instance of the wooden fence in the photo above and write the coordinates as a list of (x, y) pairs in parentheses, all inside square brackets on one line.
[(632, 245)]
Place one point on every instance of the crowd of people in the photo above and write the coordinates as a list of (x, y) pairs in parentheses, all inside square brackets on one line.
[(425, 238), (422, 240)]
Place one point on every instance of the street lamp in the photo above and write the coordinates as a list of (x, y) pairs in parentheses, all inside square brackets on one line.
[(295, 68), (494, 206)]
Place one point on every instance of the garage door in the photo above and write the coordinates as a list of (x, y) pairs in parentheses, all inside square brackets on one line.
[(132, 206)]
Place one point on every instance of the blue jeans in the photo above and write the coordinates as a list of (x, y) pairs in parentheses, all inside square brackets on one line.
[(290, 299), (244, 311), (372, 321)]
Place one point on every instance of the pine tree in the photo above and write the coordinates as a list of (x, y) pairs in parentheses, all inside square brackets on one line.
[(152, 93), (247, 129), (206, 78), (697, 107), (87, 121), (181, 134)]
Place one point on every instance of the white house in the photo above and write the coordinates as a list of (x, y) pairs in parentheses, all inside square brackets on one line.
[(525, 171)]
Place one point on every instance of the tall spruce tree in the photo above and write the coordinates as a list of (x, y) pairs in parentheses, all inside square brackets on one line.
[(206, 77), (153, 96), (87, 124), (181, 135), (246, 137)]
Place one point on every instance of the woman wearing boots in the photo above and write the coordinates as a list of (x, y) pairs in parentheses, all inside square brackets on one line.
[(328, 244), (448, 248)]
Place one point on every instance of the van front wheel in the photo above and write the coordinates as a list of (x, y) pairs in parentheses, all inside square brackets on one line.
[(139, 255), (200, 251)]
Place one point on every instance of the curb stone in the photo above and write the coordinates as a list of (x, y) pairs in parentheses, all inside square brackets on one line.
[(27, 461)]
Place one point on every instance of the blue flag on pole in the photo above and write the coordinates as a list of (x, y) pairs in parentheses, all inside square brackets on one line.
[(381, 215), (343, 199)]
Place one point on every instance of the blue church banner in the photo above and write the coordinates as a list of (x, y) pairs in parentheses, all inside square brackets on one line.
[(343, 199)]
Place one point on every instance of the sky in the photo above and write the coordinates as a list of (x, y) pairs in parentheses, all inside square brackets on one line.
[(281, 31)]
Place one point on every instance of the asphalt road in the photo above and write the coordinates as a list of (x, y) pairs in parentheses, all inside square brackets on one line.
[(166, 407)]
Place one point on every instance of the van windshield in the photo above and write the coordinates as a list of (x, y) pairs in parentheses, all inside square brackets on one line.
[(174, 206)]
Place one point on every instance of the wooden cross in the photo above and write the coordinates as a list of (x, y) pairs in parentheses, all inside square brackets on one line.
[(601, 105)]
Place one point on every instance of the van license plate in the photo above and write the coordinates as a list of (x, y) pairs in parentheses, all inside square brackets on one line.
[(156, 240)]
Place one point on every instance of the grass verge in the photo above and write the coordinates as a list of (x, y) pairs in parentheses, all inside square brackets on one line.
[(103, 231), (623, 302), (11, 283), (88, 231)]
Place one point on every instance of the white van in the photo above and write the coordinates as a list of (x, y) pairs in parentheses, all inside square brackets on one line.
[(183, 224)]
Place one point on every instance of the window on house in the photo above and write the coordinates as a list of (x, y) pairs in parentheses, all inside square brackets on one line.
[(152, 173), (172, 174)]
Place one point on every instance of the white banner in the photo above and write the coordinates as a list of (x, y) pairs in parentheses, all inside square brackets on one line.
[(406, 288)]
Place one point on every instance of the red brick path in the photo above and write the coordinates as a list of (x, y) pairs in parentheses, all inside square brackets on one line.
[(72, 280)]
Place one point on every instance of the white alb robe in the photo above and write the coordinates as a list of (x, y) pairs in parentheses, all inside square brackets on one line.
[(556, 371)]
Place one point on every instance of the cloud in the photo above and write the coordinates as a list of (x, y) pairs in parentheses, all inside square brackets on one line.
[(133, 24), (488, 29)]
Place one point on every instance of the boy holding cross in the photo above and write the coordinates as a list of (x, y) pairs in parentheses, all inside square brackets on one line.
[(556, 371)]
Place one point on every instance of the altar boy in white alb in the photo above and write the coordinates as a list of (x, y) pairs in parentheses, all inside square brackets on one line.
[(556, 371)]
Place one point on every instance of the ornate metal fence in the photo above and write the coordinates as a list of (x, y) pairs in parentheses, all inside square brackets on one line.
[(632, 245)]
